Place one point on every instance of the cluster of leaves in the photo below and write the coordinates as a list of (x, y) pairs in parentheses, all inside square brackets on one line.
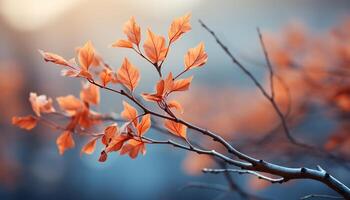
[(129, 137)]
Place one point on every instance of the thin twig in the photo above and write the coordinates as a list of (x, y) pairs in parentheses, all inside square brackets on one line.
[(216, 187), (272, 101), (239, 171), (320, 196)]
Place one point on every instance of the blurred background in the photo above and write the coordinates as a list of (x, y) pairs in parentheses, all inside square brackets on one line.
[(309, 44)]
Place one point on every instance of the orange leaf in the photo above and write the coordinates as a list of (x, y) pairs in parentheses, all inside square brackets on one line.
[(176, 105), (169, 83), (54, 58), (155, 47), (109, 132), (103, 156), (195, 57), (175, 128), (106, 76), (133, 148), (178, 27), (144, 125), (85, 74), (65, 141), (117, 142), (181, 84), (69, 72), (158, 96), (122, 43), (41, 104), (132, 31), (128, 75), (27, 122), (86, 55), (129, 113), (89, 148), (69, 104), (90, 93), (151, 97)]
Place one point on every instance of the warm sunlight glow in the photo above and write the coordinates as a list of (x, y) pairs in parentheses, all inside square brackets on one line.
[(33, 14)]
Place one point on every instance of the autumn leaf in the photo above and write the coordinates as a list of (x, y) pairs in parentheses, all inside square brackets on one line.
[(54, 58), (132, 30), (181, 84), (176, 105), (128, 75), (175, 128), (69, 104), (65, 141), (195, 57), (85, 74), (27, 122), (90, 93), (163, 87), (41, 104), (158, 96), (86, 56), (107, 76), (109, 132), (117, 142), (103, 157), (123, 44), (129, 113), (178, 27), (70, 72), (144, 125), (133, 148), (89, 148), (154, 47)]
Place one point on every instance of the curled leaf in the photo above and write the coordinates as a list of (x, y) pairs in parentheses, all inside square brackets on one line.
[(103, 156), (27, 122), (54, 58), (41, 104), (109, 132)]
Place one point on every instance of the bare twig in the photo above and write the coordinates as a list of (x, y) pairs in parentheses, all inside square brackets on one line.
[(272, 101), (200, 185), (239, 171), (320, 196), (268, 62)]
